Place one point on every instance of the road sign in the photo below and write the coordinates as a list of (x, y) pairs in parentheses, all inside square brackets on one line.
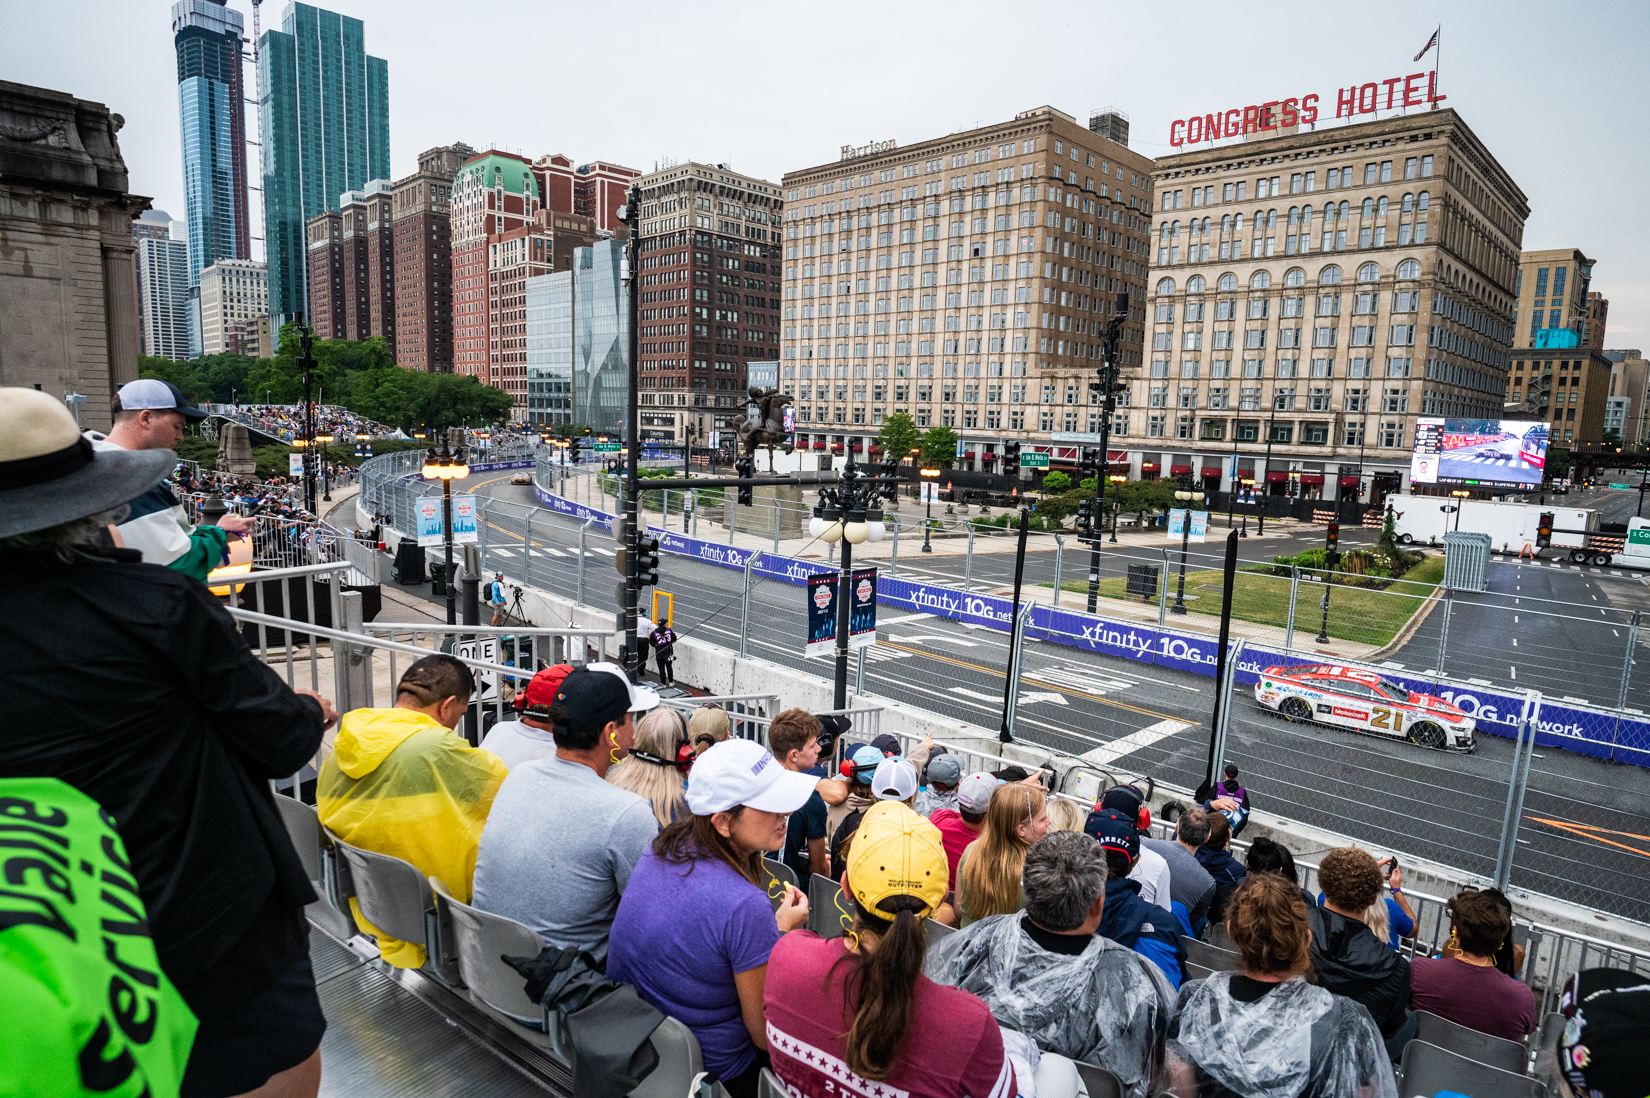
[(484, 649), (1621, 485), (606, 447), (1033, 461)]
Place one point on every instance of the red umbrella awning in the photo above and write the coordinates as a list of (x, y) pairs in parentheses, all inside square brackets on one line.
[(1176, 470), (1350, 479), (1311, 478), (1212, 470), (1276, 475)]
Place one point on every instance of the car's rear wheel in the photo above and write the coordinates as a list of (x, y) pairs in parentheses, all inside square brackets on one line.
[(1295, 709), (1427, 734)]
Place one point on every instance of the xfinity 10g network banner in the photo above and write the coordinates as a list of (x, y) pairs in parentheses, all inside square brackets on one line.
[(1479, 453)]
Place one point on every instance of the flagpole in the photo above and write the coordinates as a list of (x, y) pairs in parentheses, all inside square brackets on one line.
[(1438, 63)]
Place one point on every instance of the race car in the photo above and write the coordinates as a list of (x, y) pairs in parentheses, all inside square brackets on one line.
[(1349, 697), (523, 477)]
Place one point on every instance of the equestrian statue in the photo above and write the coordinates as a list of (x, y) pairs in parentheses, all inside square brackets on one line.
[(767, 426)]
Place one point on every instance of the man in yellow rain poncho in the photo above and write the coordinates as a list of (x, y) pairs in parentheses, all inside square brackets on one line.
[(399, 782)]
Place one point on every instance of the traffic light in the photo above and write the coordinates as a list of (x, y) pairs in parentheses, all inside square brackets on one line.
[(573, 451), (1544, 530), (1011, 457), (1090, 466), (1085, 514), (1331, 536), (647, 563), (745, 467)]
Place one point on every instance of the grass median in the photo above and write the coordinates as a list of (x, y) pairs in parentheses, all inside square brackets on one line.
[(1357, 614)]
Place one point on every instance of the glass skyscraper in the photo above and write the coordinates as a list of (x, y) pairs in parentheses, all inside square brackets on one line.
[(550, 349), (212, 117), (578, 334), (324, 106)]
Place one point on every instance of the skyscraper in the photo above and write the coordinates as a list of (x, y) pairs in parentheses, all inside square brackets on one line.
[(163, 294), (212, 117), (324, 110)]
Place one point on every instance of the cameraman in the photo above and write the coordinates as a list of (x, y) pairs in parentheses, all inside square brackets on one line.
[(496, 597)]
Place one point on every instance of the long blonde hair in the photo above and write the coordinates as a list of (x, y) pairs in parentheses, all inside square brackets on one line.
[(990, 883), (660, 734), (1378, 918)]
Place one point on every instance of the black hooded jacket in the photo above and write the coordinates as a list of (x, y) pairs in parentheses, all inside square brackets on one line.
[(1349, 960), (129, 682)]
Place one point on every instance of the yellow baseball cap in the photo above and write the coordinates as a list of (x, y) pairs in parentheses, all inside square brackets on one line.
[(897, 853)]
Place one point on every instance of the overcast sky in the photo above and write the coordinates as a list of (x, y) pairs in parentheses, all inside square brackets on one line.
[(1558, 94)]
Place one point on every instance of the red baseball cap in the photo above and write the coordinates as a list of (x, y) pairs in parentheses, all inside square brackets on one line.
[(541, 689)]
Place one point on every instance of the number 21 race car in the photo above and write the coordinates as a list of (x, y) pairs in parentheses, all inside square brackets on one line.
[(1348, 697)]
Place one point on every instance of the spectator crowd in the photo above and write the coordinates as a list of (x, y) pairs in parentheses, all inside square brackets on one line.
[(648, 841)]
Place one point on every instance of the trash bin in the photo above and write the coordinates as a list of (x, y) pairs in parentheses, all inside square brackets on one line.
[(438, 578), (1143, 581), (409, 562)]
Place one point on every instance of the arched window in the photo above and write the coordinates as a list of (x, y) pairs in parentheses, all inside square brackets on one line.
[(1226, 223), (1381, 207), (1329, 276), (1407, 205), (1369, 273), (1294, 215), (1424, 201), (1294, 276), (1206, 223), (1237, 223), (1227, 282), (1369, 207), (1165, 285), (1271, 219), (1306, 216), (1329, 211), (1344, 211), (1260, 281), (1174, 229), (1409, 268), (1194, 285)]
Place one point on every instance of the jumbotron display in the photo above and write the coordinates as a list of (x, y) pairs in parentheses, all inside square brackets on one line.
[(1479, 453)]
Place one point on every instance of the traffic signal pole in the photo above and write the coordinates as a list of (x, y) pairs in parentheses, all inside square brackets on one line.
[(630, 534), (1108, 402), (1331, 558)]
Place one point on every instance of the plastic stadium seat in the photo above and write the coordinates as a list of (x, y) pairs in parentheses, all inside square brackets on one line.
[(479, 940), (679, 1062), (769, 1086), (1195, 971), (776, 875), (1548, 1032), (1486, 1049), (937, 930), (1428, 1069), (1220, 939), (828, 914), (304, 828), (1210, 956), (1099, 1082)]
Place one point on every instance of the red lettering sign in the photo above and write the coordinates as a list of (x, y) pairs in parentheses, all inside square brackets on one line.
[(1401, 91), (1289, 113)]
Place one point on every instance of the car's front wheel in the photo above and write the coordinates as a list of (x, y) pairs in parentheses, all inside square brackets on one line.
[(1295, 709), (1427, 734)]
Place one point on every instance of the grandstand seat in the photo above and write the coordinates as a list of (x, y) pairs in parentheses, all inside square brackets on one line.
[(679, 1062), (1099, 1082), (1428, 1069), (1220, 939), (784, 874), (825, 909), (1195, 971), (1486, 1049), (1211, 956), (769, 1086), (395, 897), (937, 930), (303, 827), (1546, 1034)]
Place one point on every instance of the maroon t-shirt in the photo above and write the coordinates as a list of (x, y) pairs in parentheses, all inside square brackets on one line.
[(1485, 999), (954, 1047), (956, 836)]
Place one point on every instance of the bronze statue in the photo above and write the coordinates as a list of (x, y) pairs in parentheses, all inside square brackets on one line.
[(767, 426)]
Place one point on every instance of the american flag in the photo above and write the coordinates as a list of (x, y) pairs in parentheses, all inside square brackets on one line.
[(1431, 42)]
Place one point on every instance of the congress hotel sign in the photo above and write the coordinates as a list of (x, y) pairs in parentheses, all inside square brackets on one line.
[(1416, 90)]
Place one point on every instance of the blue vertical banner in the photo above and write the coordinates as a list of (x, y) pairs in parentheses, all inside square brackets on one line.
[(821, 590), (862, 612), (1177, 522), (464, 519), (429, 520), (1200, 526)]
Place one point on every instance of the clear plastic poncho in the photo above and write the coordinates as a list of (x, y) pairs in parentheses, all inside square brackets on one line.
[(1108, 1005), (1296, 1041)]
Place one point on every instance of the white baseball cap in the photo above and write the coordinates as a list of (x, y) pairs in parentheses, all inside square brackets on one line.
[(150, 392), (974, 792), (743, 772), (895, 780)]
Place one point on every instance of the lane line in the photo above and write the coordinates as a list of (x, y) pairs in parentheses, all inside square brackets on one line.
[(1136, 741)]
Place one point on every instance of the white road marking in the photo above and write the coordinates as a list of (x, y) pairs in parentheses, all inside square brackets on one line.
[(1515, 642), (1032, 698), (1394, 666), (1135, 741), (1514, 672), (507, 554), (1079, 678), (937, 637), (904, 617)]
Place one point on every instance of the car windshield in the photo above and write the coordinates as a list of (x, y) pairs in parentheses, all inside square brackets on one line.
[(1393, 690)]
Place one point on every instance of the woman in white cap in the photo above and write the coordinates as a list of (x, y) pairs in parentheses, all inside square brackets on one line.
[(695, 927), (847, 1014)]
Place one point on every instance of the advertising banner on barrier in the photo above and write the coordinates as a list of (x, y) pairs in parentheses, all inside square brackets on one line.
[(564, 506)]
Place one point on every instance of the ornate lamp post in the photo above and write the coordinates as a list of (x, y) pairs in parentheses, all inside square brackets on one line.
[(447, 465), (323, 440), (1186, 493), (849, 513), (932, 476)]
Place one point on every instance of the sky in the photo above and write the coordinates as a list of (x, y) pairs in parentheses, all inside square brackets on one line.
[(1559, 99)]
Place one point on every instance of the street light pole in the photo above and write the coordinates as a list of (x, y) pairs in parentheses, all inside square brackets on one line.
[(1266, 485), (848, 513), (1186, 494), (930, 477), (306, 363), (1107, 387), (448, 463)]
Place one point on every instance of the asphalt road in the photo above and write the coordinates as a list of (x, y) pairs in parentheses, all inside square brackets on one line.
[(1153, 720)]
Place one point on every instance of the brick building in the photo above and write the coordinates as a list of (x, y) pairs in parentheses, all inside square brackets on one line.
[(351, 266), (710, 295), (594, 190), (1595, 323), (423, 260), (324, 267), (492, 194)]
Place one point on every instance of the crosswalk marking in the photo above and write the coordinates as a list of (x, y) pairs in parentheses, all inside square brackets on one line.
[(1134, 741), (875, 654), (507, 554), (1088, 680)]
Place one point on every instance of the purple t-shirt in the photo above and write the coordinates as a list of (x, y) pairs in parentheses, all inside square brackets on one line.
[(680, 936)]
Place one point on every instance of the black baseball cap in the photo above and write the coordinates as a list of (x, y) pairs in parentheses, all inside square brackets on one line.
[(888, 745), (1115, 832), (1231, 770), (600, 692)]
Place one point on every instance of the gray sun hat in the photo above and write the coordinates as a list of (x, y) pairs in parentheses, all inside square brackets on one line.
[(50, 475)]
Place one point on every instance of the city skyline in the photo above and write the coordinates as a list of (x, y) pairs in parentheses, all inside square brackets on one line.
[(119, 61)]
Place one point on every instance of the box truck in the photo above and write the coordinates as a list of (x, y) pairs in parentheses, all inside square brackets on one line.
[(1511, 526)]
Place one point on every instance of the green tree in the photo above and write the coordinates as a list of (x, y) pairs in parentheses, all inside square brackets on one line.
[(178, 373), (899, 436), (1146, 497), (939, 447), (1056, 481)]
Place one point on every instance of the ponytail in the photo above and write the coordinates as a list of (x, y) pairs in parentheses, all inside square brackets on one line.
[(885, 980)]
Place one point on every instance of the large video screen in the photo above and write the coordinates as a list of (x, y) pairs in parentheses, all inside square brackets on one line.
[(1479, 453)]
